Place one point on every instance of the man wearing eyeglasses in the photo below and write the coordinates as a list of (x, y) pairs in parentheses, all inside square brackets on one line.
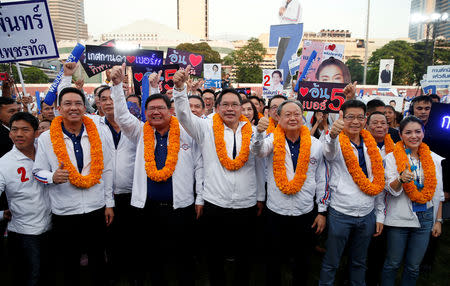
[(353, 216), (233, 190)]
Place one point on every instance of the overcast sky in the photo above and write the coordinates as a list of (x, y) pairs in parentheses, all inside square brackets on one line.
[(388, 18)]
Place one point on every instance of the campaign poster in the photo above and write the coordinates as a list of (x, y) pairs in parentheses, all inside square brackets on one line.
[(321, 96), (324, 51), (26, 32), (272, 82), (98, 55), (386, 72), (438, 75), (91, 69), (183, 59), (166, 80), (213, 75)]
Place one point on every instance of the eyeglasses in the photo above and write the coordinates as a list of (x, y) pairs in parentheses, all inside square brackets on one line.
[(157, 108), (77, 104), (232, 105), (352, 117)]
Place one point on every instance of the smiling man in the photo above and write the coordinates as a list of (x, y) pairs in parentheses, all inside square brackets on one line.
[(378, 127), (74, 163)]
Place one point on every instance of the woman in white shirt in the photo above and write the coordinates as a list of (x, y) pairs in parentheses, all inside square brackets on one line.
[(413, 204)]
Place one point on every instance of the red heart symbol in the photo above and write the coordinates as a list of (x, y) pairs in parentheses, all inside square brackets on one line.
[(304, 91), (131, 59), (332, 47), (138, 76), (195, 60)]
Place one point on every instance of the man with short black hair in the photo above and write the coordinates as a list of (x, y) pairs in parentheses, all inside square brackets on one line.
[(209, 98), (378, 105), (197, 105), (8, 107), (29, 203), (421, 107), (47, 111)]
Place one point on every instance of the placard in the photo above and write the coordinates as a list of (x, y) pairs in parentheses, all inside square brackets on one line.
[(98, 55), (438, 75), (386, 72), (26, 32), (321, 96), (92, 70), (183, 59), (213, 75), (272, 83), (166, 80)]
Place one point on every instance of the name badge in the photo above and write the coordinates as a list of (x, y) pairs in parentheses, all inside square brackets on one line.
[(419, 207)]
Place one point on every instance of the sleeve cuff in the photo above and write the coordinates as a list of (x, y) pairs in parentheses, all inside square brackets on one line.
[(115, 91), (177, 93), (322, 208), (110, 203), (154, 90), (199, 201)]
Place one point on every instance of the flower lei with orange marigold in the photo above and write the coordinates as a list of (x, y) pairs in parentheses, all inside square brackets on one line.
[(260, 115), (388, 144), (429, 172), (242, 158), (172, 152), (60, 149), (279, 157), (271, 126), (369, 188)]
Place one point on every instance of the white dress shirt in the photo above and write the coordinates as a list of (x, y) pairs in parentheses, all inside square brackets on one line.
[(187, 169), (228, 189), (293, 13), (315, 183), (28, 199), (66, 199), (122, 159), (399, 211), (346, 196)]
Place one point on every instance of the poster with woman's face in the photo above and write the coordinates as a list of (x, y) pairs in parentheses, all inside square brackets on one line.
[(213, 75)]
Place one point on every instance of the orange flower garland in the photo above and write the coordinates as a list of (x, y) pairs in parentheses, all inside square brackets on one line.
[(60, 149), (271, 126), (388, 144), (172, 152), (369, 188), (260, 115), (429, 171), (242, 158), (279, 157)]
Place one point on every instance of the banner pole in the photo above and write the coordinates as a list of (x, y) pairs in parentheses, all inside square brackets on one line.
[(24, 92)]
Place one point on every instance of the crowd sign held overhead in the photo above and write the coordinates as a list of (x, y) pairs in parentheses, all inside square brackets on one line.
[(438, 75), (321, 96), (212, 75), (98, 55), (272, 82), (92, 69), (166, 80), (184, 59), (26, 32)]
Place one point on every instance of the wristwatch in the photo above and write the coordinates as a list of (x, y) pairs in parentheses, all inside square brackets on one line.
[(439, 220), (179, 89), (324, 213)]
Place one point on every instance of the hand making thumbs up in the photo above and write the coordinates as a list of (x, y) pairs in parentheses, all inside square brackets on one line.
[(61, 175), (338, 126), (263, 124), (181, 77)]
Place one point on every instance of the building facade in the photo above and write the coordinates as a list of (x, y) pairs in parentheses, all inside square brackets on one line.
[(192, 17), (422, 30), (68, 19)]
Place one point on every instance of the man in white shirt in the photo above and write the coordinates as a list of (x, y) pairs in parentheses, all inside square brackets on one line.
[(75, 164), (290, 12), (28, 202), (232, 187), (290, 209), (354, 216), (166, 193)]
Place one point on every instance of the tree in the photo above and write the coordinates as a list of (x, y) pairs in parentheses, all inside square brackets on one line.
[(210, 56), (247, 60), (34, 75), (404, 55), (5, 68), (423, 50), (356, 69)]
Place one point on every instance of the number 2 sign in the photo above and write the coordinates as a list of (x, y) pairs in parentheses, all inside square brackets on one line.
[(272, 83)]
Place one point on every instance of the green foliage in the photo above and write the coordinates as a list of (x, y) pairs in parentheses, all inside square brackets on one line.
[(5, 68), (247, 60), (356, 69), (210, 56), (404, 55), (34, 75)]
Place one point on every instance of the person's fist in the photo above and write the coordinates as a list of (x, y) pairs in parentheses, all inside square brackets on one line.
[(350, 91), (407, 176), (60, 176), (118, 74), (319, 117), (69, 68), (181, 77), (153, 79), (263, 124), (338, 126)]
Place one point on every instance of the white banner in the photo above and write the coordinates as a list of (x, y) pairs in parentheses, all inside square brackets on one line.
[(26, 32), (438, 75)]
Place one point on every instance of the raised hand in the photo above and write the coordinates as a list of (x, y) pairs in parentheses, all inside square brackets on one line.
[(69, 68), (350, 91), (407, 176), (181, 77), (153, 79), (60, 176), (263, 124), (118, 74), (338, 126)]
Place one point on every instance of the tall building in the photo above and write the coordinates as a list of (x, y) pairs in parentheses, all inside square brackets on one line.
[(192, 17), (420, 31), (65, 15)]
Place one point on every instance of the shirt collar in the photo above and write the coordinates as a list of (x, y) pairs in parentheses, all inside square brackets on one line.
[(19, 155), (68, 134), (6, 127), (293, 143)]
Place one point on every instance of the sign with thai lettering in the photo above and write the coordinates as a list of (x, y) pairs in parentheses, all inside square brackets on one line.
[(166, 80), (26, 32), (321, 96), (98, 55), (438, 75), (184, 59), (92, 70)]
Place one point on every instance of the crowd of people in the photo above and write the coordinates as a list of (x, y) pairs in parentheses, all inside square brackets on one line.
[(200, 170)]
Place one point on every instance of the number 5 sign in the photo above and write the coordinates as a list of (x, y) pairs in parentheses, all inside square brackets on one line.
[(287, 38)]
